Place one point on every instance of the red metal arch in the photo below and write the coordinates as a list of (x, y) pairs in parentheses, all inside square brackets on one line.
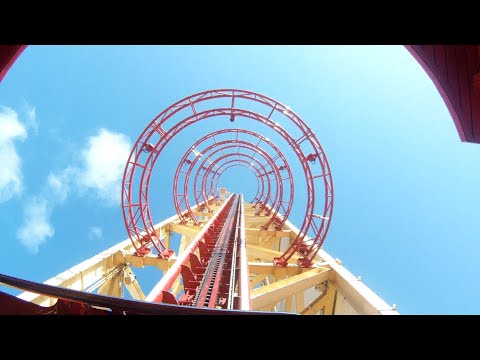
[(316, 221), (237, 144), (214, 180), (221, 168), (212, 191), (257, 149)]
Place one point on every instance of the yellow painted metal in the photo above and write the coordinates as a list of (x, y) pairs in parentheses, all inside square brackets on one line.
[(184, 242), (186, 230), (280, 289), (132, 285), (273, 288), (112, 287), (257, 280), (288, 304), (256, 267), (299, 301), (324, 301), (261, 253)]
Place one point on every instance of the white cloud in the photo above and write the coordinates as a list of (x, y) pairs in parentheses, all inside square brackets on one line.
[(36, 226), (11, 129), (95, 233), (104, 159), (100, 170)]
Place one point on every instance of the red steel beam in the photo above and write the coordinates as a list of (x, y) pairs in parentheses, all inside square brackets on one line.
[(208, 294), (156, 295), (69, 301), (8, 55)]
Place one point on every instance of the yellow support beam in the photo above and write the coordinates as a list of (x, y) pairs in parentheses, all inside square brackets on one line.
[(270, 269), (256, 235), (132, 285), (257, 280), (184, 242), (299, 301), (288, 304), (185, 230), (330, 299), (112, 287), (274, 292), (363, 300), (258, 252), (324, 301), (149, 260)]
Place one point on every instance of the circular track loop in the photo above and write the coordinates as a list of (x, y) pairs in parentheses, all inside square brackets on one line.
[(246, 105)]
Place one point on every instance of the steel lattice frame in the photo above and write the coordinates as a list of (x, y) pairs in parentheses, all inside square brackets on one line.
[(155, 137), (213, 191), (231, 144), (271, 163)]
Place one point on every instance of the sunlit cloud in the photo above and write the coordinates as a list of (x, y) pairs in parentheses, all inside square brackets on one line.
[(98, 172)]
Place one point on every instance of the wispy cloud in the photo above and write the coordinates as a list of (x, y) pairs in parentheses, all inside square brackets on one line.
[(36, 226), (11, 130), (95, 233), (98, 171)]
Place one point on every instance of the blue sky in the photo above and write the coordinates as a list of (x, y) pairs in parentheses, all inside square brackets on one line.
[(406, 188)]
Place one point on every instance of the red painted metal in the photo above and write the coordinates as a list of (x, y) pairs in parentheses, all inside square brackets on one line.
[(156, 295), (210, 281), (263, 200), (236, 144), (456, 75), (8, 55), (455, 70), (210, 293), (270, 162), (184, 196), (237, 160), (74, 302), (304, 145), (212, 190)]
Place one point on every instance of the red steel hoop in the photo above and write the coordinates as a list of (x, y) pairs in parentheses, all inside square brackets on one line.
[(241, 145), (207, 157), (285, 166), (211, 194), (156, 136), (215, 198)]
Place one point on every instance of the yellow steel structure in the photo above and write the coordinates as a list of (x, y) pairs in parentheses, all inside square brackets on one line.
[(326, 288)]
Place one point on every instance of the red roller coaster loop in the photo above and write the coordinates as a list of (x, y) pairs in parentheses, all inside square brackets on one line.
[(212, 192), (270, 162), (237, 144), (262, 177), (245, 105)]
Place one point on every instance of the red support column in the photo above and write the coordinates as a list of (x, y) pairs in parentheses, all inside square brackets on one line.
[(169, 278)]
